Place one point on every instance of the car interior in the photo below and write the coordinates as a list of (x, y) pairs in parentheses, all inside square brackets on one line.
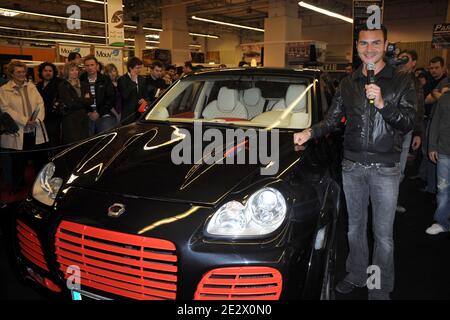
[(250, 103)]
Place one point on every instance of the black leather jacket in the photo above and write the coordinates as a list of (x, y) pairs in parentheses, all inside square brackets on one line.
[(372, 135), (105, 96)]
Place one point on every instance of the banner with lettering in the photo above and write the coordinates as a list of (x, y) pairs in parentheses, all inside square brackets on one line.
[(441, 36), (116, 32), (107, 55), (65, 49)]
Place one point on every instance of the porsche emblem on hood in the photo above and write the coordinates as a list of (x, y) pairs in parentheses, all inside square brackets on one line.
[(116, 210)]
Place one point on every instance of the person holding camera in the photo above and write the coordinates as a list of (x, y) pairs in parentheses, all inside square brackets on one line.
[(74, 104), (379, 103)]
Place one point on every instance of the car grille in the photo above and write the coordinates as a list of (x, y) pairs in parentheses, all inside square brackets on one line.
[(122, 264), (30, 246), (240, 283)]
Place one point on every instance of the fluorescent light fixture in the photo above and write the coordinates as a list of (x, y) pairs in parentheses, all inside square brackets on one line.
[(195, 45), (147, 41), (227, 24), (203, 35), (53, 32), (7, 13), (98, 2), (51, 40), (94, 1), (324, 11), (50, 16), (11, 13), (153, 36)]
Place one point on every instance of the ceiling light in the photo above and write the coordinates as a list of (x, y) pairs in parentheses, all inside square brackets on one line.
[(8, 13), (53, 32), (227, 24), (50, 16), (203, 35), (12, 12), (324, 11), (148, 41), (50, 40)]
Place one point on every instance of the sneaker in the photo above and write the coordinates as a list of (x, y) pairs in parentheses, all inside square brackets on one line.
[(435, 229), (401, 209), (345, 287)]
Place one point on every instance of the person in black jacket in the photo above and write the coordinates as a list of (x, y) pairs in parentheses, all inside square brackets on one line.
[(133, 90), (102, 90), (155, 83), (48, 88), (371, 166), (75, 102)]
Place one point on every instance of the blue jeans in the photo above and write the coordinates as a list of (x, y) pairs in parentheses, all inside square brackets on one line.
[(104, 123), (442, 213), (381, 185)]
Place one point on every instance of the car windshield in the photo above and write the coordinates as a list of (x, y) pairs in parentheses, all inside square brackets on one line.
[(260, 101)]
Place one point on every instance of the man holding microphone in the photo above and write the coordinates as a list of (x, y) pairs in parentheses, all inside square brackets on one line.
[(379, 106)]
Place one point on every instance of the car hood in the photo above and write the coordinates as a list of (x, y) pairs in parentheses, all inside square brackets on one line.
[(137, 161)]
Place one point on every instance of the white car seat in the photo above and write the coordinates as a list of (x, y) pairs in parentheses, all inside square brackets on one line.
[(227, 105), (292, 94), (253, 101)]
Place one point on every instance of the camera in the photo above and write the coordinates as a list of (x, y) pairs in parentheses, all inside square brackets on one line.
[(391, 55)]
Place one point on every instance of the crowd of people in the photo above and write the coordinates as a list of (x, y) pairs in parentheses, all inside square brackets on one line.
[(69, 104)]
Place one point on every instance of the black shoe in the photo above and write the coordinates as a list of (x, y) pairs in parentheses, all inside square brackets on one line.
[(345, 287)]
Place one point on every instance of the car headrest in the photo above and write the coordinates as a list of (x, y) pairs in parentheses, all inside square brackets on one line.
[(226, 100), (292, 97), (252, 96)]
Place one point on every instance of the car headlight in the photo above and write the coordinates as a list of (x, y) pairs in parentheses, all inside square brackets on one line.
[(46, 187), (263, 213)]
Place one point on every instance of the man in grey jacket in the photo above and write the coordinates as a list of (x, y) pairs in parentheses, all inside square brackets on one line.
[(439, 153)]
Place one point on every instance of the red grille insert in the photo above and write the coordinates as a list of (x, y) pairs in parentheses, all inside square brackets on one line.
[(30, 246), (122, 264), (240, 283)]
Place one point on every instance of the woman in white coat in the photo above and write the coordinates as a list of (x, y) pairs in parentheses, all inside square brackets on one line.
[(22, 101)]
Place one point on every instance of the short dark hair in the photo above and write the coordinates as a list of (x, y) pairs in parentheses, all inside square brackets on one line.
[(437, 59), (47, 64), (171, 67), (412, 53), (133, 62), (157, 63), (73, 55), (90, 57), (188, 64), (364, 27)]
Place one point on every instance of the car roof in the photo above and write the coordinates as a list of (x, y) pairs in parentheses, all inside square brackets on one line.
[(257, 71)]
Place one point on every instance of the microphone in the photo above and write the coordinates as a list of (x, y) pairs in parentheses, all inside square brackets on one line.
[(371, 79)]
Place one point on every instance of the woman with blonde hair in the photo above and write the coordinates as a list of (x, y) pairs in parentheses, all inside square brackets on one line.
[(74, 103), (112, 72), (22, 101)]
